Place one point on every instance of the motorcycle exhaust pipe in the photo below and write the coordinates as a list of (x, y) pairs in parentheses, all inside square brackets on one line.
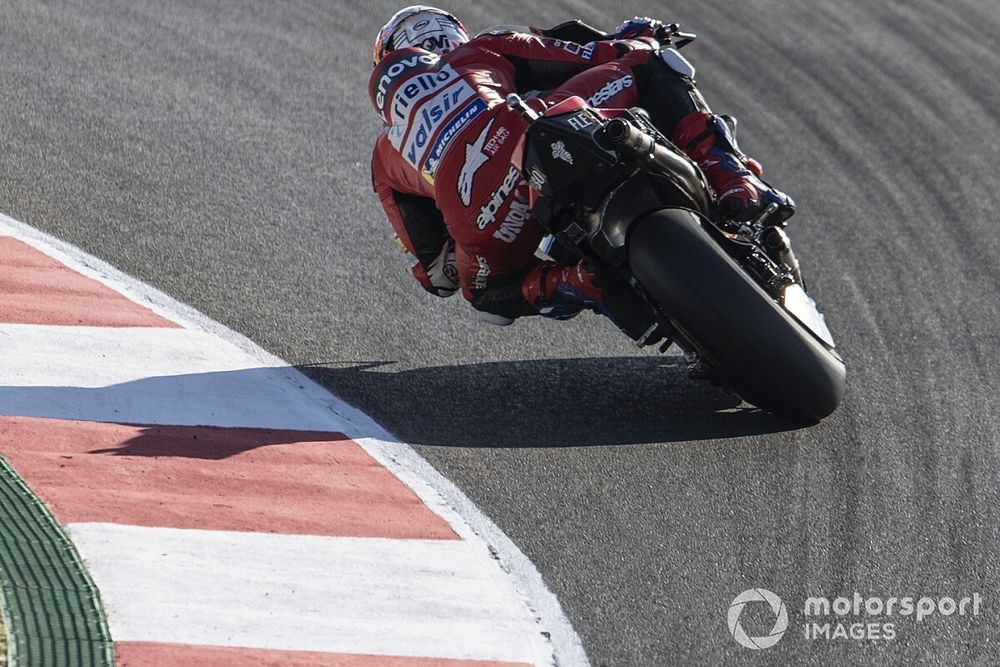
[(626, 136), (640, 145), (634, 142)]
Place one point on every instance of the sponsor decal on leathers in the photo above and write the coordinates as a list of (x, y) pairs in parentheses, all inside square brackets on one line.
[(474, 159), (415, 89), (433, 159), (513, 222), (497, 140), (584, 51), (488, 213), (610, 89), (426, 120), (479, 282), (397, 70)]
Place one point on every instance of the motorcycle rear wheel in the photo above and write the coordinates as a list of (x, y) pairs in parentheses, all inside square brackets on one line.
[(762, 352)]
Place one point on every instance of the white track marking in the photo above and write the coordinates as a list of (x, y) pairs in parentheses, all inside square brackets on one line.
[(441, 495), (149, 376), (269, 591)]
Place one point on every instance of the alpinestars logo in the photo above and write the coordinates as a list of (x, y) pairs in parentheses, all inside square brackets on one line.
[(488, 213), (559, 152), (482, 274), (610, 89), (474, 159)]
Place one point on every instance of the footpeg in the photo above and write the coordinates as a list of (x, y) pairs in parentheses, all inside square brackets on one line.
[(779, 248), (648, 335)]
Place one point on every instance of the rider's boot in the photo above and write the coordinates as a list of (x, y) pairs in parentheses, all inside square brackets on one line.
[(735, 178), (561, 291)]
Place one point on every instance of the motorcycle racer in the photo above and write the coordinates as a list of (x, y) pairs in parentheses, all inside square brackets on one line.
[(442, 164)]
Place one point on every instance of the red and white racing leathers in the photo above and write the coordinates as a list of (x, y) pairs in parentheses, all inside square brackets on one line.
[(442, 164)]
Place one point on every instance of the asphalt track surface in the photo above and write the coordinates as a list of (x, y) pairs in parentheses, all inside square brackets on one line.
[(219, 151)]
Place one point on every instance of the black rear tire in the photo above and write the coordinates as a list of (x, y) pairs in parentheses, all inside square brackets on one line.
[(769, 358)]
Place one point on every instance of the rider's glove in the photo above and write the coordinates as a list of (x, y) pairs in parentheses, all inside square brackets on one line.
[(640, 26)]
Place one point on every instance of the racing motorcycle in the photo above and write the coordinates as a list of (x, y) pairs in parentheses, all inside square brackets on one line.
[(608, 186)]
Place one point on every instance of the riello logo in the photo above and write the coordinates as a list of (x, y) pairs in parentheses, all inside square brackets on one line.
[(752, 597)]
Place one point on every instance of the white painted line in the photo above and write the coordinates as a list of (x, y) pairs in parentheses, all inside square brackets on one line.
[(420, 598), (482, 536)]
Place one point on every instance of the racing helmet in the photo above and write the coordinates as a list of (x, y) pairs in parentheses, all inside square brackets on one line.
[(426, 27)]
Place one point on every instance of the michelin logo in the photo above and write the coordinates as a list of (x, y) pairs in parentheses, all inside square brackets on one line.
[(433, 160)]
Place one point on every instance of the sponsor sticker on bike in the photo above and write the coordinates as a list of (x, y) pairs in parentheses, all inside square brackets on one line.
[(560, 152), (537, 179), (580, 121)]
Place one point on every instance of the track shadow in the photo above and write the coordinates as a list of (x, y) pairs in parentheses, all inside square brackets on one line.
[(545, 403), (514, 404), (207, 442), (164, 416)]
